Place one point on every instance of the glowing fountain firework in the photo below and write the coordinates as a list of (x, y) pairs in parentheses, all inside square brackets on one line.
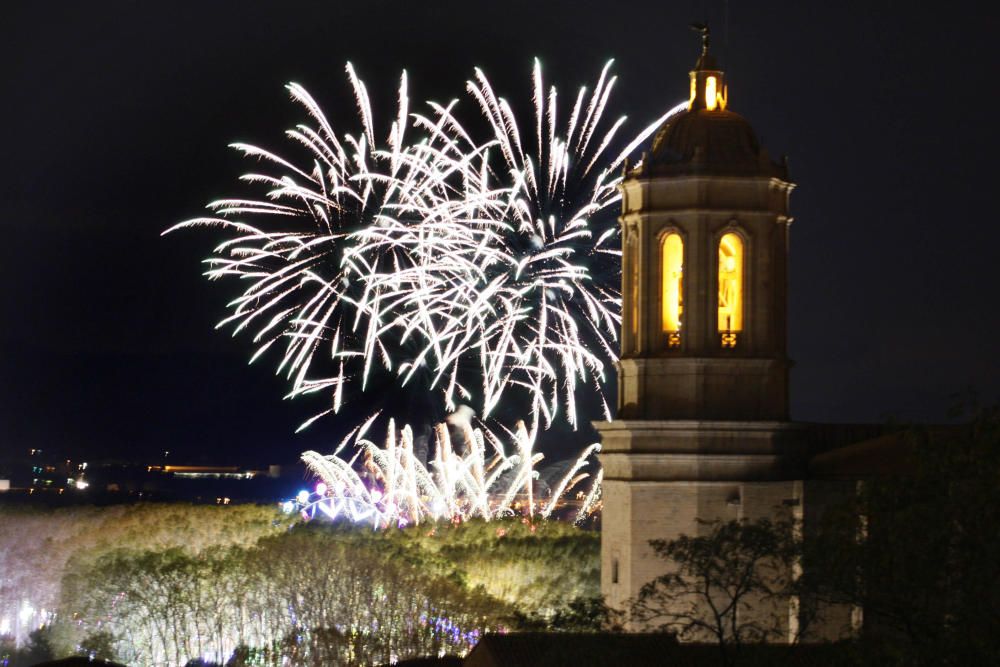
[(479, 479)]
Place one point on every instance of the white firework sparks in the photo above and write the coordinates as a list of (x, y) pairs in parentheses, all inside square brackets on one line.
[(347, 247), (463, 269), (546, 303), (479, 478), (434, 261)]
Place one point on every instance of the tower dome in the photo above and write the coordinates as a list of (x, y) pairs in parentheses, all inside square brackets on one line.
[(719, 142), (707, 137)]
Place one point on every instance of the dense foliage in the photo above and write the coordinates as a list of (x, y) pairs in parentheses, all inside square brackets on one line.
[(918, 552), (39, 545), (164, 584)]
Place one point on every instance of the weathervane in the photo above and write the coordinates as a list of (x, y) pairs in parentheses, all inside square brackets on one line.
[(705, 32)]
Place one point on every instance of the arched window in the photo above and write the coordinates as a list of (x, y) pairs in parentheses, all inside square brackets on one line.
[(730, 288), (672, 289), (633, 289)]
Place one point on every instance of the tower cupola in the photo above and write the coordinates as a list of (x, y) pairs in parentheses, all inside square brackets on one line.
[(707, 137), (708, 82)]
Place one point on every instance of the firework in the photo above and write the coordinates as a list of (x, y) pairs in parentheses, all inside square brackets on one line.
[(559, 273), (534, 302), (461, 268), (345, 247), (477, 477), (444, 267)]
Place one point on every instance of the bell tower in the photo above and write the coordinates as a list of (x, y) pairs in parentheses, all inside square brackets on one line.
[(705, 254), (702, 430)]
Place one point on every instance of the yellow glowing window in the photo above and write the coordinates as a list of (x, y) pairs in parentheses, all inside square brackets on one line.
[(730, 283), (672, 293), (711, 93)]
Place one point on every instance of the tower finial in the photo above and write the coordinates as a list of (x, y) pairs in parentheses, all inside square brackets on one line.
[(706, 34)]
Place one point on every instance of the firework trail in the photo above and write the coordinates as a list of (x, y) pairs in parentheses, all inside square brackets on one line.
[(560, 278)]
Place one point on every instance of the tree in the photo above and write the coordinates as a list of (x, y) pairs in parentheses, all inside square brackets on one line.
[(38, 649), (917, 552), (99, 646), (165, 583), (731, 585), (581, 614), (8, 649)]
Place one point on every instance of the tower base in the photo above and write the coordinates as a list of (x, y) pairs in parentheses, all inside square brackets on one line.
[(664, 479)]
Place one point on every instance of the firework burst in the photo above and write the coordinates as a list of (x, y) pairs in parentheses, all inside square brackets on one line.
[(342, 252), (553, 309), (471, 269)]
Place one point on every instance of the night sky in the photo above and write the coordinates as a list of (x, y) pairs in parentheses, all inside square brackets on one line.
[(115, 119)]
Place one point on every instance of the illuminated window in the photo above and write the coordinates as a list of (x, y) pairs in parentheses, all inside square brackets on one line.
[(672, 291), (634, 289), (730, 288), (711, 93)]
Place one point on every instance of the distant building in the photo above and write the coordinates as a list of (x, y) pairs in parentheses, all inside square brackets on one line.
[(49, 477)]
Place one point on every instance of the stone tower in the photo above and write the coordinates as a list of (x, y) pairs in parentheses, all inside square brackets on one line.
[(702, 427)]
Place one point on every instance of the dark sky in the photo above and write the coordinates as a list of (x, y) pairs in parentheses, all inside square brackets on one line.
[(115, 118)]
